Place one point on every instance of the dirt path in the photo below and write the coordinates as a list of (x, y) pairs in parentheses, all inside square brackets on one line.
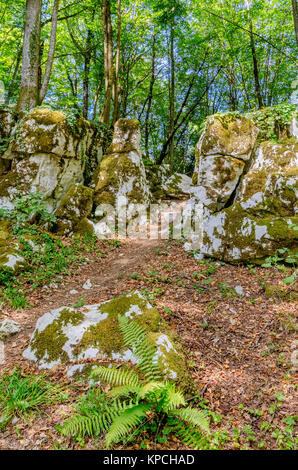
[(239, 346)]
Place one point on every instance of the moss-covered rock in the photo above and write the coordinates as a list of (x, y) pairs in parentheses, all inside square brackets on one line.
[(75, 206), (68, 335), (48, 153), (270, 157), (281, 292), (121, 177), (10, 258), (255, 228), (228, 134)]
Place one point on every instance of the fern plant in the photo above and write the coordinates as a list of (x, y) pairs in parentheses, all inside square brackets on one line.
[(137, 399)]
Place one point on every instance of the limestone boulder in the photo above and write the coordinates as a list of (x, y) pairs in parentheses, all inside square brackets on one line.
[(270, 157), (10, 258), (48, 153), (255, 228), (222, 153), (177, 186), (8, 328), (72, 336), (122, 179), (228, 134), (75, 206)]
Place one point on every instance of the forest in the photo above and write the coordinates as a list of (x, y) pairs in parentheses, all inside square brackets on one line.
[(148, 225)]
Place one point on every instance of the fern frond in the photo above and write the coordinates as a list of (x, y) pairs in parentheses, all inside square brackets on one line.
[(150, 387), (174, 398), (124, 423), (193, 416), (95, 422), (91, 425), (192, 437), (136, 337), (115, 376), (124, 391)]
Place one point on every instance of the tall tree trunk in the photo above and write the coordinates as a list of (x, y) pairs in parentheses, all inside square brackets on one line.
[(150, 96), (172, 96), (12, 81), (50, 59), (87, 60), (254, 58), (29, 93), (116, 113), (108, 60), (295, 18)]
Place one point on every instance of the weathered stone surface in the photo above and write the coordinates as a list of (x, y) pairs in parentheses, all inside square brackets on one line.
[(10, 258), (217, 178), (177, 186), (255, 228), (75, 206), (228, 134), (8, 328), (68, 335), (49, 156), (122, 179), (270, 157)]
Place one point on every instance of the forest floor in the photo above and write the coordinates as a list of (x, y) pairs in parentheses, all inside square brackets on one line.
[(238, 343)]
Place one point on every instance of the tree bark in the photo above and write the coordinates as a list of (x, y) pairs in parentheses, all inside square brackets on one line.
[(172, 95), (116, 113), (29, 93), (50, 60), (150, 96), (255, 60), (108, 60), (295, 18)]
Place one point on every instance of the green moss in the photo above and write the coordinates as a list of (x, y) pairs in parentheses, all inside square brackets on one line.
[(75, 206), (106, 335), (48, 344), (285, 293), (84, 226)]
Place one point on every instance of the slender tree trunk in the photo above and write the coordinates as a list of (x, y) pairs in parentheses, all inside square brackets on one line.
[(295, 18), (15, 73), (29, 93), (150, 96), (116, 114), (98, 89), (172, 96), (254, 58), (50, 60), (108, 60), (87, 60)]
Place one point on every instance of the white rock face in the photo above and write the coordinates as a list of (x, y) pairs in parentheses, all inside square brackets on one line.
[(67, 335), (122, 179), (8, 328), (47, 156), (270, 157), (245, 218), (228, 135), (177, 186)]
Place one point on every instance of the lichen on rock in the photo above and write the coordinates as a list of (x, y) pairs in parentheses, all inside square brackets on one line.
[(68, 335), (75, 206)]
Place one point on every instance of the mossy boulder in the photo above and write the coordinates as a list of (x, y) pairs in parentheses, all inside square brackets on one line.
[(177, 186), (75, 206), (253, 229), (67, 335), (270, 157), (10, 258), (121, 177), (228, 134), (48, 153), (222, 154), (217, 177)]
